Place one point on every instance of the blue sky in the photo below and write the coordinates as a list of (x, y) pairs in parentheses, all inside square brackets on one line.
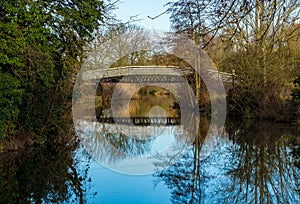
[(144, 8)]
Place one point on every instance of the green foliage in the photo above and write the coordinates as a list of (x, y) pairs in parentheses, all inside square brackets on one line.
[(40, 42), (142, 92), (10, 99), (152, 92), (296, 92)]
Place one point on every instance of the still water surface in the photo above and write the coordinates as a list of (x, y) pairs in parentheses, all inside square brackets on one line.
[(249, 163)]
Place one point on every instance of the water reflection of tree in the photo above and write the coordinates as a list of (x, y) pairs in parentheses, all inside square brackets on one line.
[(183, 177), (128, 145), (262, 170), (42, 175), (109, 145), (258, 168)]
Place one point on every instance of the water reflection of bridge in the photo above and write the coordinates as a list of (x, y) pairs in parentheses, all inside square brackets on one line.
[(141, 121), (118, 145)]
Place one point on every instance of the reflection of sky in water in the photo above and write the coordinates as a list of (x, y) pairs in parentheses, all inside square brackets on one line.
[(130, 155), (220, 184), (231, 172), (116, 188), (160, 144), (163, 141), (213, 171)]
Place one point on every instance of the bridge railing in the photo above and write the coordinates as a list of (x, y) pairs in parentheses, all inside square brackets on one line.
[(135, 70), (153, 70)]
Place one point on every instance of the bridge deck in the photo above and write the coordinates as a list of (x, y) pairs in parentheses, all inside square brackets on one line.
[(133, 74), (137, 70)]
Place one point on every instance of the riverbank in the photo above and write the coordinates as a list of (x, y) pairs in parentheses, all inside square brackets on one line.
[(24, 140), (290, 114)]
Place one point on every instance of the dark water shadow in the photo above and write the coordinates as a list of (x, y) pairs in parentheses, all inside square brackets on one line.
[(43, 175)]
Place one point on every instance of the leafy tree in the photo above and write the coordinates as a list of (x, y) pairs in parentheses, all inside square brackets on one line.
[(40, 42), (10, 98)]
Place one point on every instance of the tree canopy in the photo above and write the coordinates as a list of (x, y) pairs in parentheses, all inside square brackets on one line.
[(259, 40), (40, 42)]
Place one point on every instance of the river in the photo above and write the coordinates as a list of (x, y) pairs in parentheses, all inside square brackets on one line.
[(250, 163), (159, 161)]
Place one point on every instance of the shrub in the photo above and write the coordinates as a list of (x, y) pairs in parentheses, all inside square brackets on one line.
[(296, 92), (10, 99)]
